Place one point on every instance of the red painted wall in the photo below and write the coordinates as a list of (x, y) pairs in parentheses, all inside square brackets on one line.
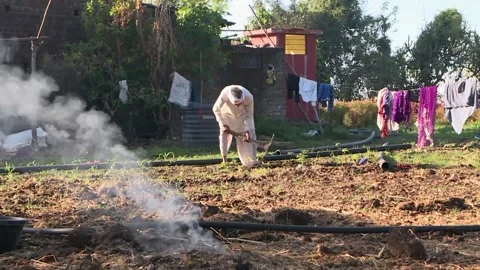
[(304, 66)]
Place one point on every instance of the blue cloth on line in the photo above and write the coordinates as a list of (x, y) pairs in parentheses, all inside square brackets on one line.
[(325, 95)]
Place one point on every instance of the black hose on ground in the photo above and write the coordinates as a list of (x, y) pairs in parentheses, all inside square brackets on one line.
[(327, 147), (194, 162), (282, 228)]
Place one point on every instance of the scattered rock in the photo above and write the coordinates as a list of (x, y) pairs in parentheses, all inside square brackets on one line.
[(114, 232), (249, 218), (438, 205), (293, 217), (408, 206), (458, 203), (86, 194), (81, 237), (25, 267), (402, 244), (323, 249), (243, 265), (374, 203), (87, 263), (242, 262), (210, 211), (307, 238), (110, 192)]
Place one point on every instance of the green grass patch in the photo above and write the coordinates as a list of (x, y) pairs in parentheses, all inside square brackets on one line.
[(290, 135)]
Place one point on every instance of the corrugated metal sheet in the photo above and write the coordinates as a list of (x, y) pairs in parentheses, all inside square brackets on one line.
[(199, 126)]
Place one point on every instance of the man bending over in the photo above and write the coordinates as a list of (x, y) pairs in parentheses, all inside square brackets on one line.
[(234, 111)]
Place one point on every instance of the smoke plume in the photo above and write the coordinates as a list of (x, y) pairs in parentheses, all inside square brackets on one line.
[(73, 130), (70, 127), (177, 220)]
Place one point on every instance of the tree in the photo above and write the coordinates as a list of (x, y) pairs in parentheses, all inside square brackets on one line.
[(354, 49), (443, 46), (127, 41), (199, 54), (473, 61), (272, 13)]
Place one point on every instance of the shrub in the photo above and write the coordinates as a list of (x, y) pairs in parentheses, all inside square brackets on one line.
[(361, 114), (335, 117), (353, 114)]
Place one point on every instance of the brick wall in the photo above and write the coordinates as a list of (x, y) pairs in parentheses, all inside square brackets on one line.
[(248, 67), (22, 18)]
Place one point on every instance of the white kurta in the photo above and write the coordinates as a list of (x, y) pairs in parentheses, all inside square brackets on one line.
[(239, 119)]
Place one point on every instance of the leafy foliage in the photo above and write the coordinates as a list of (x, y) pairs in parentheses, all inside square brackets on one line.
[(356, 52), (441, 47), (354, 49), (126, 41), (199, 53)]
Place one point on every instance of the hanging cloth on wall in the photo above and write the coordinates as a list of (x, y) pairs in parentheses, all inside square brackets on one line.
[(180, 91), (325, 95), (426, 116), (460, 101), (293, 83), (401, 106), (271, 78), (384, 120)]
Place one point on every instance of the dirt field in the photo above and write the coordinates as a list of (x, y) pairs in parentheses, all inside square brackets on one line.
[(314, 193)]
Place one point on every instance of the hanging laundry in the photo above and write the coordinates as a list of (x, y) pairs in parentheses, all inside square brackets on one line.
[(325, 95), (308, 90), (384, 120), (401, 106), (426, 116), (460, 101), (180, 91), (293, 83)]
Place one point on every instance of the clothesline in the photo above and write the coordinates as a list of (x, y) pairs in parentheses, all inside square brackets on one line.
[(460, 99), (376, 91)]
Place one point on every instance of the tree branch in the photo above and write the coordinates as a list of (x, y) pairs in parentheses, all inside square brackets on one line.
[(139, 23)]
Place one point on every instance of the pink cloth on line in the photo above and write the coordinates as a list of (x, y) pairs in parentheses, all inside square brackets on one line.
[(426, 115)]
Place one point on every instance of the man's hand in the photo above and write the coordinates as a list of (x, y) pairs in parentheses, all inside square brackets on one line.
[(247, 136), (225, 129)]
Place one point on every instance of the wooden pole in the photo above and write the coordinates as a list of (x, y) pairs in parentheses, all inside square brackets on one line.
[(201, 80), (35, 44), (24, 39), (34, 143)]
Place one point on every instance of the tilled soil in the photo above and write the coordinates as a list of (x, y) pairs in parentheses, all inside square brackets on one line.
[(107, 209)]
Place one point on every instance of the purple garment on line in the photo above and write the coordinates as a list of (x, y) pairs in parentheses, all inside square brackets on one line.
[(401, 106), (426, 114)]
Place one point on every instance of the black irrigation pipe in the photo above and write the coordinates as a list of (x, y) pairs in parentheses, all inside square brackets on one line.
[(278, 228), (333, 229), (194, 162), (328, 147)]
